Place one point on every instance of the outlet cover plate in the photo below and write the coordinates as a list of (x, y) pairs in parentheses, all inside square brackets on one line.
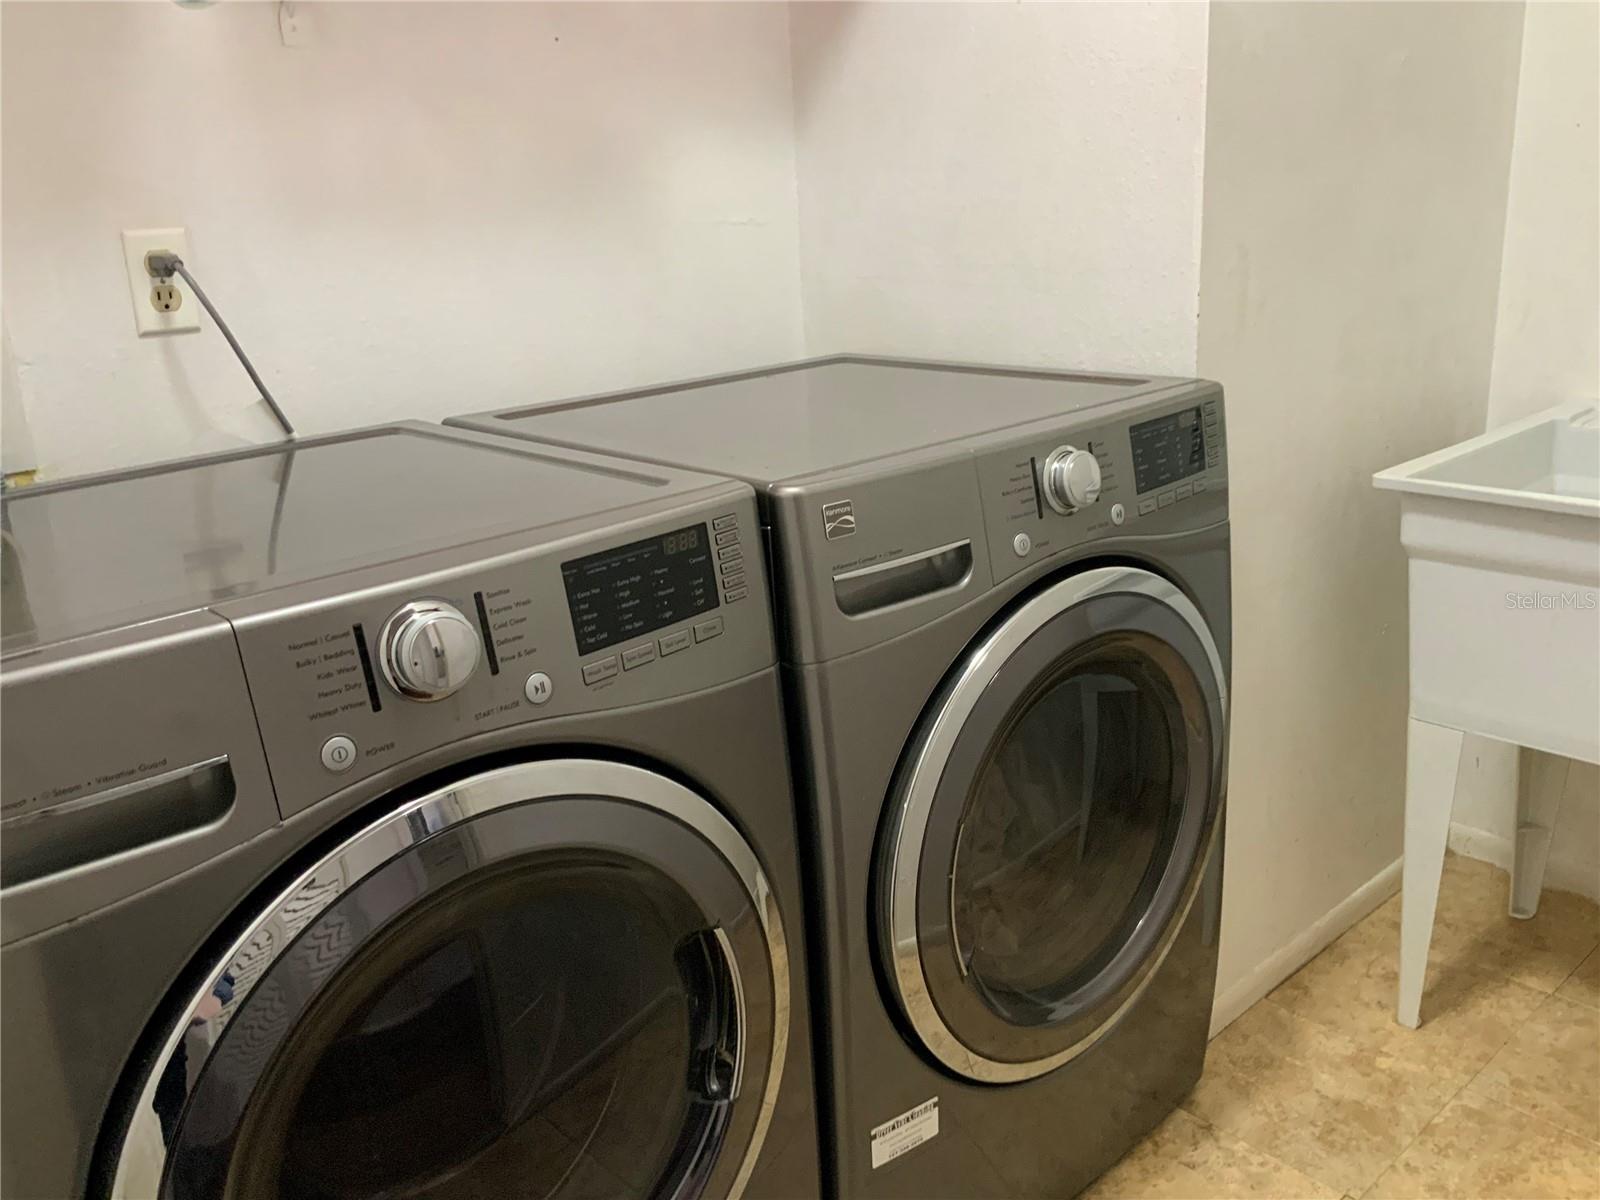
[(136, 243)]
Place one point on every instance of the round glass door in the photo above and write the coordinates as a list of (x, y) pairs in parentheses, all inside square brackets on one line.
[(570, 995), (1052, 823)]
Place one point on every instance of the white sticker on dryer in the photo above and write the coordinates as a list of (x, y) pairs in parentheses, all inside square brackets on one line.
[(905, 1132)]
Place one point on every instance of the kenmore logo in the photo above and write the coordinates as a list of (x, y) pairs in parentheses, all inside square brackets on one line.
[(839, 519)]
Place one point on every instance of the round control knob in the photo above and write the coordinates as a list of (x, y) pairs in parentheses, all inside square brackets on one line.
[(428, 650), (1071, 479)]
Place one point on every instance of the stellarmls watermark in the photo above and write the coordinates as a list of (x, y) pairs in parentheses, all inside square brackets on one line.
[(1581, 600)]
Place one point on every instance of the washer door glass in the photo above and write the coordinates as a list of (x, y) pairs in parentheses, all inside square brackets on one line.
[(1068, 782), (1067, 829), (562, 998)]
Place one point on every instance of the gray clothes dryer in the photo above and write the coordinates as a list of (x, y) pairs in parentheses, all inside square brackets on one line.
[(1004, 609), (395, 814)]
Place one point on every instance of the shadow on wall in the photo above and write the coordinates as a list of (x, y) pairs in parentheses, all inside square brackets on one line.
[(818, 36)]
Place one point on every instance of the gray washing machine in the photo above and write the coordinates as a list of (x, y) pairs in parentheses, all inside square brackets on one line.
[(401, 813), (1004, 606)]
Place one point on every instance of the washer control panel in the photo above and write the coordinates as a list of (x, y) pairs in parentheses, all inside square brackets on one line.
[(1161, 472), (496, 636)]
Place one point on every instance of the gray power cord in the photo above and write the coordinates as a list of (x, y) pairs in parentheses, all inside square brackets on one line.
[(164, 265)]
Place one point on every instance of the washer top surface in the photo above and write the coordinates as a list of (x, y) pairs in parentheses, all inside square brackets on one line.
[(802, 419), (106, 551)]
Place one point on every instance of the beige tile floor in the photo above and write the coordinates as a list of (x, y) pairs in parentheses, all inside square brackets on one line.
[(1316, 1092)]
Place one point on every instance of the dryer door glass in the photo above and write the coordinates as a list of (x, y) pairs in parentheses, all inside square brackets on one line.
[(1052, 825), (573, 997)]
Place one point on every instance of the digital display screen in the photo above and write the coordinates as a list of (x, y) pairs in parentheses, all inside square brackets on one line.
[(1167, 449), (619, 594)]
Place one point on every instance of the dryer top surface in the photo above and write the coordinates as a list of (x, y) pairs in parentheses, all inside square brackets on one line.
[(803, 419)]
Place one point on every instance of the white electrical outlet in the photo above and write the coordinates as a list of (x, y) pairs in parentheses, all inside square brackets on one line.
[(159, 305)]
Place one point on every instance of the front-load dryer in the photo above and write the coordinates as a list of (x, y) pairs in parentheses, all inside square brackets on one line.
[(396, 814), (1004, 602)]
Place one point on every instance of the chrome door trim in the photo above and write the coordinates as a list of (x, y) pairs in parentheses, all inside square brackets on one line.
[(917, 797), (141, 1156)]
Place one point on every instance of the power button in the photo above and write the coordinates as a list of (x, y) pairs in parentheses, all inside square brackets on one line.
[(338, 754)]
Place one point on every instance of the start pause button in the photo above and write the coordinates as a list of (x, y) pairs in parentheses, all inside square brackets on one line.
[(538, 688)]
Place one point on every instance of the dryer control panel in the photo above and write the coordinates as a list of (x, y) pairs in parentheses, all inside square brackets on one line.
[(498, 635), (1161, 472)]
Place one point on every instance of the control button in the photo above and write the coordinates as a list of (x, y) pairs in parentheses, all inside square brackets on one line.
[(338, 754), (1185, 490), (637, 656), (1022, 543), (674, 642), (728, 552), (728, 537), (736, 594), (733, 581), (704, 631), (1165, 499), (732, 565), (1147, 506), (726, 521), (1199, 485), (598, 672), (1118, 514), (538, 689)]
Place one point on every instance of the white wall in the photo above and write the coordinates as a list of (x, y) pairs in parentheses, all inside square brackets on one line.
[(1546, 351), (429, 208), (1547, 334), (1355, 188), (1003, 183)]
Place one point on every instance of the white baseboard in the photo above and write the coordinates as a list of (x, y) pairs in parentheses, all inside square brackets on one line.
[(1563, 874), (1567, 875), (1303, 947)]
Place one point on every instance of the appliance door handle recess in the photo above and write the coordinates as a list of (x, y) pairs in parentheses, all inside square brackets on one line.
[(901, 580)]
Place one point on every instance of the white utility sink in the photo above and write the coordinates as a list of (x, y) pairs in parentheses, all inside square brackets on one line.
[(1503, 537), (1550, 460), (1503, 533)]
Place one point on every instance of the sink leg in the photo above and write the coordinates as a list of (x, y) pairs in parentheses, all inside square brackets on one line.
[(1541, 778), (1433, 761)]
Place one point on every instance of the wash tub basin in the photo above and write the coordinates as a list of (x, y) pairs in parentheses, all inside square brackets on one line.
[(1503, 536)]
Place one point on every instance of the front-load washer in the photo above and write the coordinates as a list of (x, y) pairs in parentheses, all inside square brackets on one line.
[(396, 814), (1004, 600)]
